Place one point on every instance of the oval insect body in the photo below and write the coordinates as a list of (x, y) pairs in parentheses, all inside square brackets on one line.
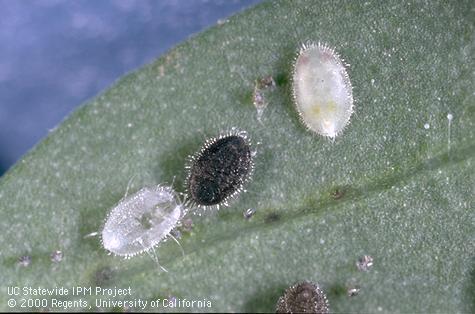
[(322, 90), (141, 221), (219, 170)]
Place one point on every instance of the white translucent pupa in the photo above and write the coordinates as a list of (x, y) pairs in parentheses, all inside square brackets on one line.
[(322, 90), (141, 221)]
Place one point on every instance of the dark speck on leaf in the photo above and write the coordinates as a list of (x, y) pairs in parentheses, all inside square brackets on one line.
[(272, 217)]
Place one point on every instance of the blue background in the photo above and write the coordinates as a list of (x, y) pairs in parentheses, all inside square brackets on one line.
[(55, 54)]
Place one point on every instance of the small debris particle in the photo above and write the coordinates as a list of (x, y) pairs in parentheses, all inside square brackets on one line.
[(56, 256), (266, 82), (426, 126), (353, 291), (258, 97), (364, 263), (248, 213), (259, 102), (337, 193), (187, 225), (24, 260)]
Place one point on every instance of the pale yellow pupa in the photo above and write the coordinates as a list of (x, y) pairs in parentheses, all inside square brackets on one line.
[(322, 90)]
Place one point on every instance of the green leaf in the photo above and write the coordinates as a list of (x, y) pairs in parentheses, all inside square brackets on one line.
[(405, 192)]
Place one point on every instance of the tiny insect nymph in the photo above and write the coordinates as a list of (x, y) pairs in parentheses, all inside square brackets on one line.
[(322, 90), (218, 171), (141, 221)]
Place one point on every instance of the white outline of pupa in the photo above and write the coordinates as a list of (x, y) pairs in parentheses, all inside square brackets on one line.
[(189, 202), (346, 79), (118, 210)]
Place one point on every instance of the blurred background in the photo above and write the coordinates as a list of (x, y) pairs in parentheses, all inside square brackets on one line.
[(56, 54)]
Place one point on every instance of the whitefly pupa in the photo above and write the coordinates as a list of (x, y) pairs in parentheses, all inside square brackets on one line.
[(322, 89), (219, 170), (141, 221), (304, 297)]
